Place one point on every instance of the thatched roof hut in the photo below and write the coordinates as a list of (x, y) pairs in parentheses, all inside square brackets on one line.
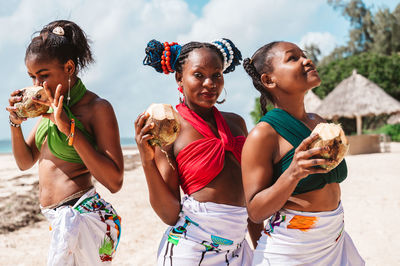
[(356, 97), (394, 119), (311, 102)]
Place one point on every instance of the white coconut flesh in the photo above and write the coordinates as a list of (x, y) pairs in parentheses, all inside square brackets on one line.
[(331, 135), (159, 111), (329, 131)]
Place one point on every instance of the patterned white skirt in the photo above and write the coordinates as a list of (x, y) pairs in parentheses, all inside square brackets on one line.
[(306, 238), (84, 234), (206, 234)]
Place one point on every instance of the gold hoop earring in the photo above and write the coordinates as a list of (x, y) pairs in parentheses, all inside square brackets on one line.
[(221, 102), (69, 90)]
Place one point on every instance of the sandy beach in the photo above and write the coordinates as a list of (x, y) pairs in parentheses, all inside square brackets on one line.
[(370, 198)]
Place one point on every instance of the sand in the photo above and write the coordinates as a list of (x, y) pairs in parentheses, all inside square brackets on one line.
[(370, 196)]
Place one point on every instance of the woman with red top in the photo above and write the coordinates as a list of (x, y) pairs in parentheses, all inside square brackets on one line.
[(209, 223)]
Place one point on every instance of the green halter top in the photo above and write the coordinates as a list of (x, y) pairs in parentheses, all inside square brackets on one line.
[(294, 131), (56, 140)]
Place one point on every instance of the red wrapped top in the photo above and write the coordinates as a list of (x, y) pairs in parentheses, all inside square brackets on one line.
[(202, 160)]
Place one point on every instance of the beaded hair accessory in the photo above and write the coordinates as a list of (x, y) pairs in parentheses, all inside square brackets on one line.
[(226, 49), (58, 31), (162, 56), (166, 58)]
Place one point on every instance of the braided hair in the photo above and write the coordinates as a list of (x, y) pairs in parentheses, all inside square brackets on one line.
[(261, 63), (63, 40), (155, 50)]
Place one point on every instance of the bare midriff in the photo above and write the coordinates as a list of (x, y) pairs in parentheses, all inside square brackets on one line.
[(324, 199), (59, 179), (226, 187)]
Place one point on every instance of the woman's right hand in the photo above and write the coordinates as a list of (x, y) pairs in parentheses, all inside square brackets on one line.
[(304, 163), (142, 136), (15, 97)]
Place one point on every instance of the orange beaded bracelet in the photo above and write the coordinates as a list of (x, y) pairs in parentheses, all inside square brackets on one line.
[(71, 133)]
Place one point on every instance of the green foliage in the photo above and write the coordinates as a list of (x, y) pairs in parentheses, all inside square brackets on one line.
[(381, 69), (392, 130), (377, 33), (256, 114), (373, 50)]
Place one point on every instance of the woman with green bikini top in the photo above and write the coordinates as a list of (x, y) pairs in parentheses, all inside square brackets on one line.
[(282, 181), (77, 139)]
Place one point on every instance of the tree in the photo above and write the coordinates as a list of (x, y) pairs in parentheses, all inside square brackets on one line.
[(381, 69), (378, 33), (256, 114), (313, 52)]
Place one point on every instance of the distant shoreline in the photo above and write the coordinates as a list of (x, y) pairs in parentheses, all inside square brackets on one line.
[(6, 149)]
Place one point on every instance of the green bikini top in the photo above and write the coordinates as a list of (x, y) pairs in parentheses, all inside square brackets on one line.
[(294, 131), (56, 140)]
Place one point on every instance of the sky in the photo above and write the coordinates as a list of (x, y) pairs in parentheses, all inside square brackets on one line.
[(120, 29)]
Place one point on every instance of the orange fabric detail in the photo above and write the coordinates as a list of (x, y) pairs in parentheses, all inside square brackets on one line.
[(302, 223)]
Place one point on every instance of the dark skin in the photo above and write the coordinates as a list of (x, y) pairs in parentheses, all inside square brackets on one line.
[(202, 82), (292, 76), (59, 179)]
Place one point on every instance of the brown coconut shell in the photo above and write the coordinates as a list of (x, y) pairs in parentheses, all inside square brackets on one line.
[(331, 135), (27, 107), (166, 124)]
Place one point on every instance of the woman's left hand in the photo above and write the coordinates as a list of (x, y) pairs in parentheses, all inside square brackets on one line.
[(58, 117)]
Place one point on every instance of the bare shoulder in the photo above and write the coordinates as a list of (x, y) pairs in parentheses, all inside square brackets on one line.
[(263, 132), (98, 105), (236, 123), (232, 116)]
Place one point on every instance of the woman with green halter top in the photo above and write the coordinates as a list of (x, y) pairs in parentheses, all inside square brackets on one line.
[(282, 180), (77, 139)]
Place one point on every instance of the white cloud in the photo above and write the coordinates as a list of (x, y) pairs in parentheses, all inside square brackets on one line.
[(120, 31), (325, 41), (250, 24)]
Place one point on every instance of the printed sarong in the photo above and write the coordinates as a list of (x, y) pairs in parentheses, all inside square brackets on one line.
[(207, 233), (306, 238), (87, 233)]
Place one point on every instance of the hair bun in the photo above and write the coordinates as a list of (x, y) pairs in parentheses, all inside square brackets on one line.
[(232, 55), (162, 56)]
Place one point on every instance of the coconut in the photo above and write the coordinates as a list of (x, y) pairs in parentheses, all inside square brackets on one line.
[(166, 124), (27, 107), (331, 135)]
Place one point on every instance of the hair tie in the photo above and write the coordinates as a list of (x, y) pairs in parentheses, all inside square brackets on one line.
[(58, 31)]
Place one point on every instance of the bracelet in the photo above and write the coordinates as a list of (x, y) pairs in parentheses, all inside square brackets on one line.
[(71, 133), (13, 124)]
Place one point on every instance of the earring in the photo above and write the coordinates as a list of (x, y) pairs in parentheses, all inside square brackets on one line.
[(69, 90), (221, 102), (180, 91)]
